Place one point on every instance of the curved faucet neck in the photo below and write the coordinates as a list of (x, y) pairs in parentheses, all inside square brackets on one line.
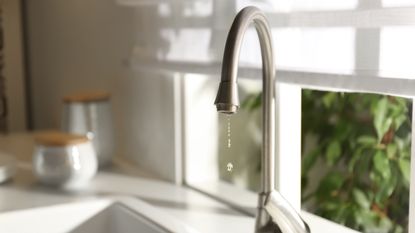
[(284, 217), (229, 76)]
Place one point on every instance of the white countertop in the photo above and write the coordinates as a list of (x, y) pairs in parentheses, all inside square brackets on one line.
[(186, 205)]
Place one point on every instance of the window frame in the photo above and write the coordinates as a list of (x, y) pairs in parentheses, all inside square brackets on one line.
[(286, 124), (288, 86)]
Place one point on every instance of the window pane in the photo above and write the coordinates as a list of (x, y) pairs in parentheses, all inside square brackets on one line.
[(356, 159), (206, 135), (397, 52), (240, 139), (330, 49), (398, 3), (318, 49), (315, 5)]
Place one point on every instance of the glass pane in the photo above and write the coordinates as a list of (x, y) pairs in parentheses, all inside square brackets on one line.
[(315, 5), (327, 49), (356, 159), (240, 139), (398, 3), (397, 52), (318, 49)]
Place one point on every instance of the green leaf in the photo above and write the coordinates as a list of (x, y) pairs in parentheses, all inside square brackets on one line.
[(342, 130), (399, 120), (331, 205), (367, 140), (365, 218), (256, 102), (381, 163), (379, 113), (361, 199), (329, 99), (247, 102), (365, 164), (387, 125), (405, 167), (355, 158), (401, 143), (398, 229), (391, 150), (386, 189), (252, 101), (341, 213), (333, 152), (386, 224), (376, 178), (331, 182)]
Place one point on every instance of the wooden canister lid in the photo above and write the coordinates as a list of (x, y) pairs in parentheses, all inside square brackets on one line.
[(56, 138), (87, 96)]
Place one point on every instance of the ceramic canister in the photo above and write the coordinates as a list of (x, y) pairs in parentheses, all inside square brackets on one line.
[(89, 113), (62, 159)]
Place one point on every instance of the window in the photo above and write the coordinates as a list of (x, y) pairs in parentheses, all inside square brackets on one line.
[(346, 46), (340, 49)]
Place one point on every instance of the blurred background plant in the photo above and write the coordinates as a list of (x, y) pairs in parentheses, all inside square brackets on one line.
[(356, 158)]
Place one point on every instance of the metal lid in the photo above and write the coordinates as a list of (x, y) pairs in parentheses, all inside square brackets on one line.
[(7, 167)]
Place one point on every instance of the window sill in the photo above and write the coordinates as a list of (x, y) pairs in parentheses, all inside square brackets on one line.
[(245, 201)]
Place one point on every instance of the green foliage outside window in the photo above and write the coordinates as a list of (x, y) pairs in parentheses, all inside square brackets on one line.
[(362, 147)]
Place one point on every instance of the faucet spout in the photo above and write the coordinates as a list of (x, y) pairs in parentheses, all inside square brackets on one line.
[(274, 212)]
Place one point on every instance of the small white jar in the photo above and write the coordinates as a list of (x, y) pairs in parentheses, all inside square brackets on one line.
[(64, 160)]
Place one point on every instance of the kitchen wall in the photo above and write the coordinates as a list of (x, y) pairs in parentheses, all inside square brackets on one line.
[(13, 66), (84, 44), (74, 45), (107, 44)]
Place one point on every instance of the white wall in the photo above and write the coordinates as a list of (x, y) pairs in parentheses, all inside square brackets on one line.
[(82, 44), (74, 45)]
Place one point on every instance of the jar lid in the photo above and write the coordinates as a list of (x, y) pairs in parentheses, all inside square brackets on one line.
[(87, 96), (57, 138), (7, 167)]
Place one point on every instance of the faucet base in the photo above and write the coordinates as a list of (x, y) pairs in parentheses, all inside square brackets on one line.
[(269, 226), (264, 223)]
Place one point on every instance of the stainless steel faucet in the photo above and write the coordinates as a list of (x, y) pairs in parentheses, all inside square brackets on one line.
[(275, 214)]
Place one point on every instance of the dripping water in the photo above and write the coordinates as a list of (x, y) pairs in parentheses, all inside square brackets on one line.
[(229, 131)]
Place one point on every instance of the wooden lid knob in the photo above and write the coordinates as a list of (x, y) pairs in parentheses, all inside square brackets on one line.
[(87, 96), (56, 138)]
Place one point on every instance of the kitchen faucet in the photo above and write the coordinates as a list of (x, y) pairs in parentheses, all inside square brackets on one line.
[(274, 214)]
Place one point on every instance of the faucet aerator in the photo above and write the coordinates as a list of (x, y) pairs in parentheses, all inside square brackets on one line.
[(228, 109), (227, 99)]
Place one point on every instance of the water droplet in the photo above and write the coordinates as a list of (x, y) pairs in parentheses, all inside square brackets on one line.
[(229, 167), (229, 131)]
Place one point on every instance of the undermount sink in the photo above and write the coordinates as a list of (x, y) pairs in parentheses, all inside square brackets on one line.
[(118, 218), (115, 215)]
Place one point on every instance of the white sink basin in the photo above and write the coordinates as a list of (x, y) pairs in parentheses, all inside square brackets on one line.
[(118, 218), (117, 215)]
